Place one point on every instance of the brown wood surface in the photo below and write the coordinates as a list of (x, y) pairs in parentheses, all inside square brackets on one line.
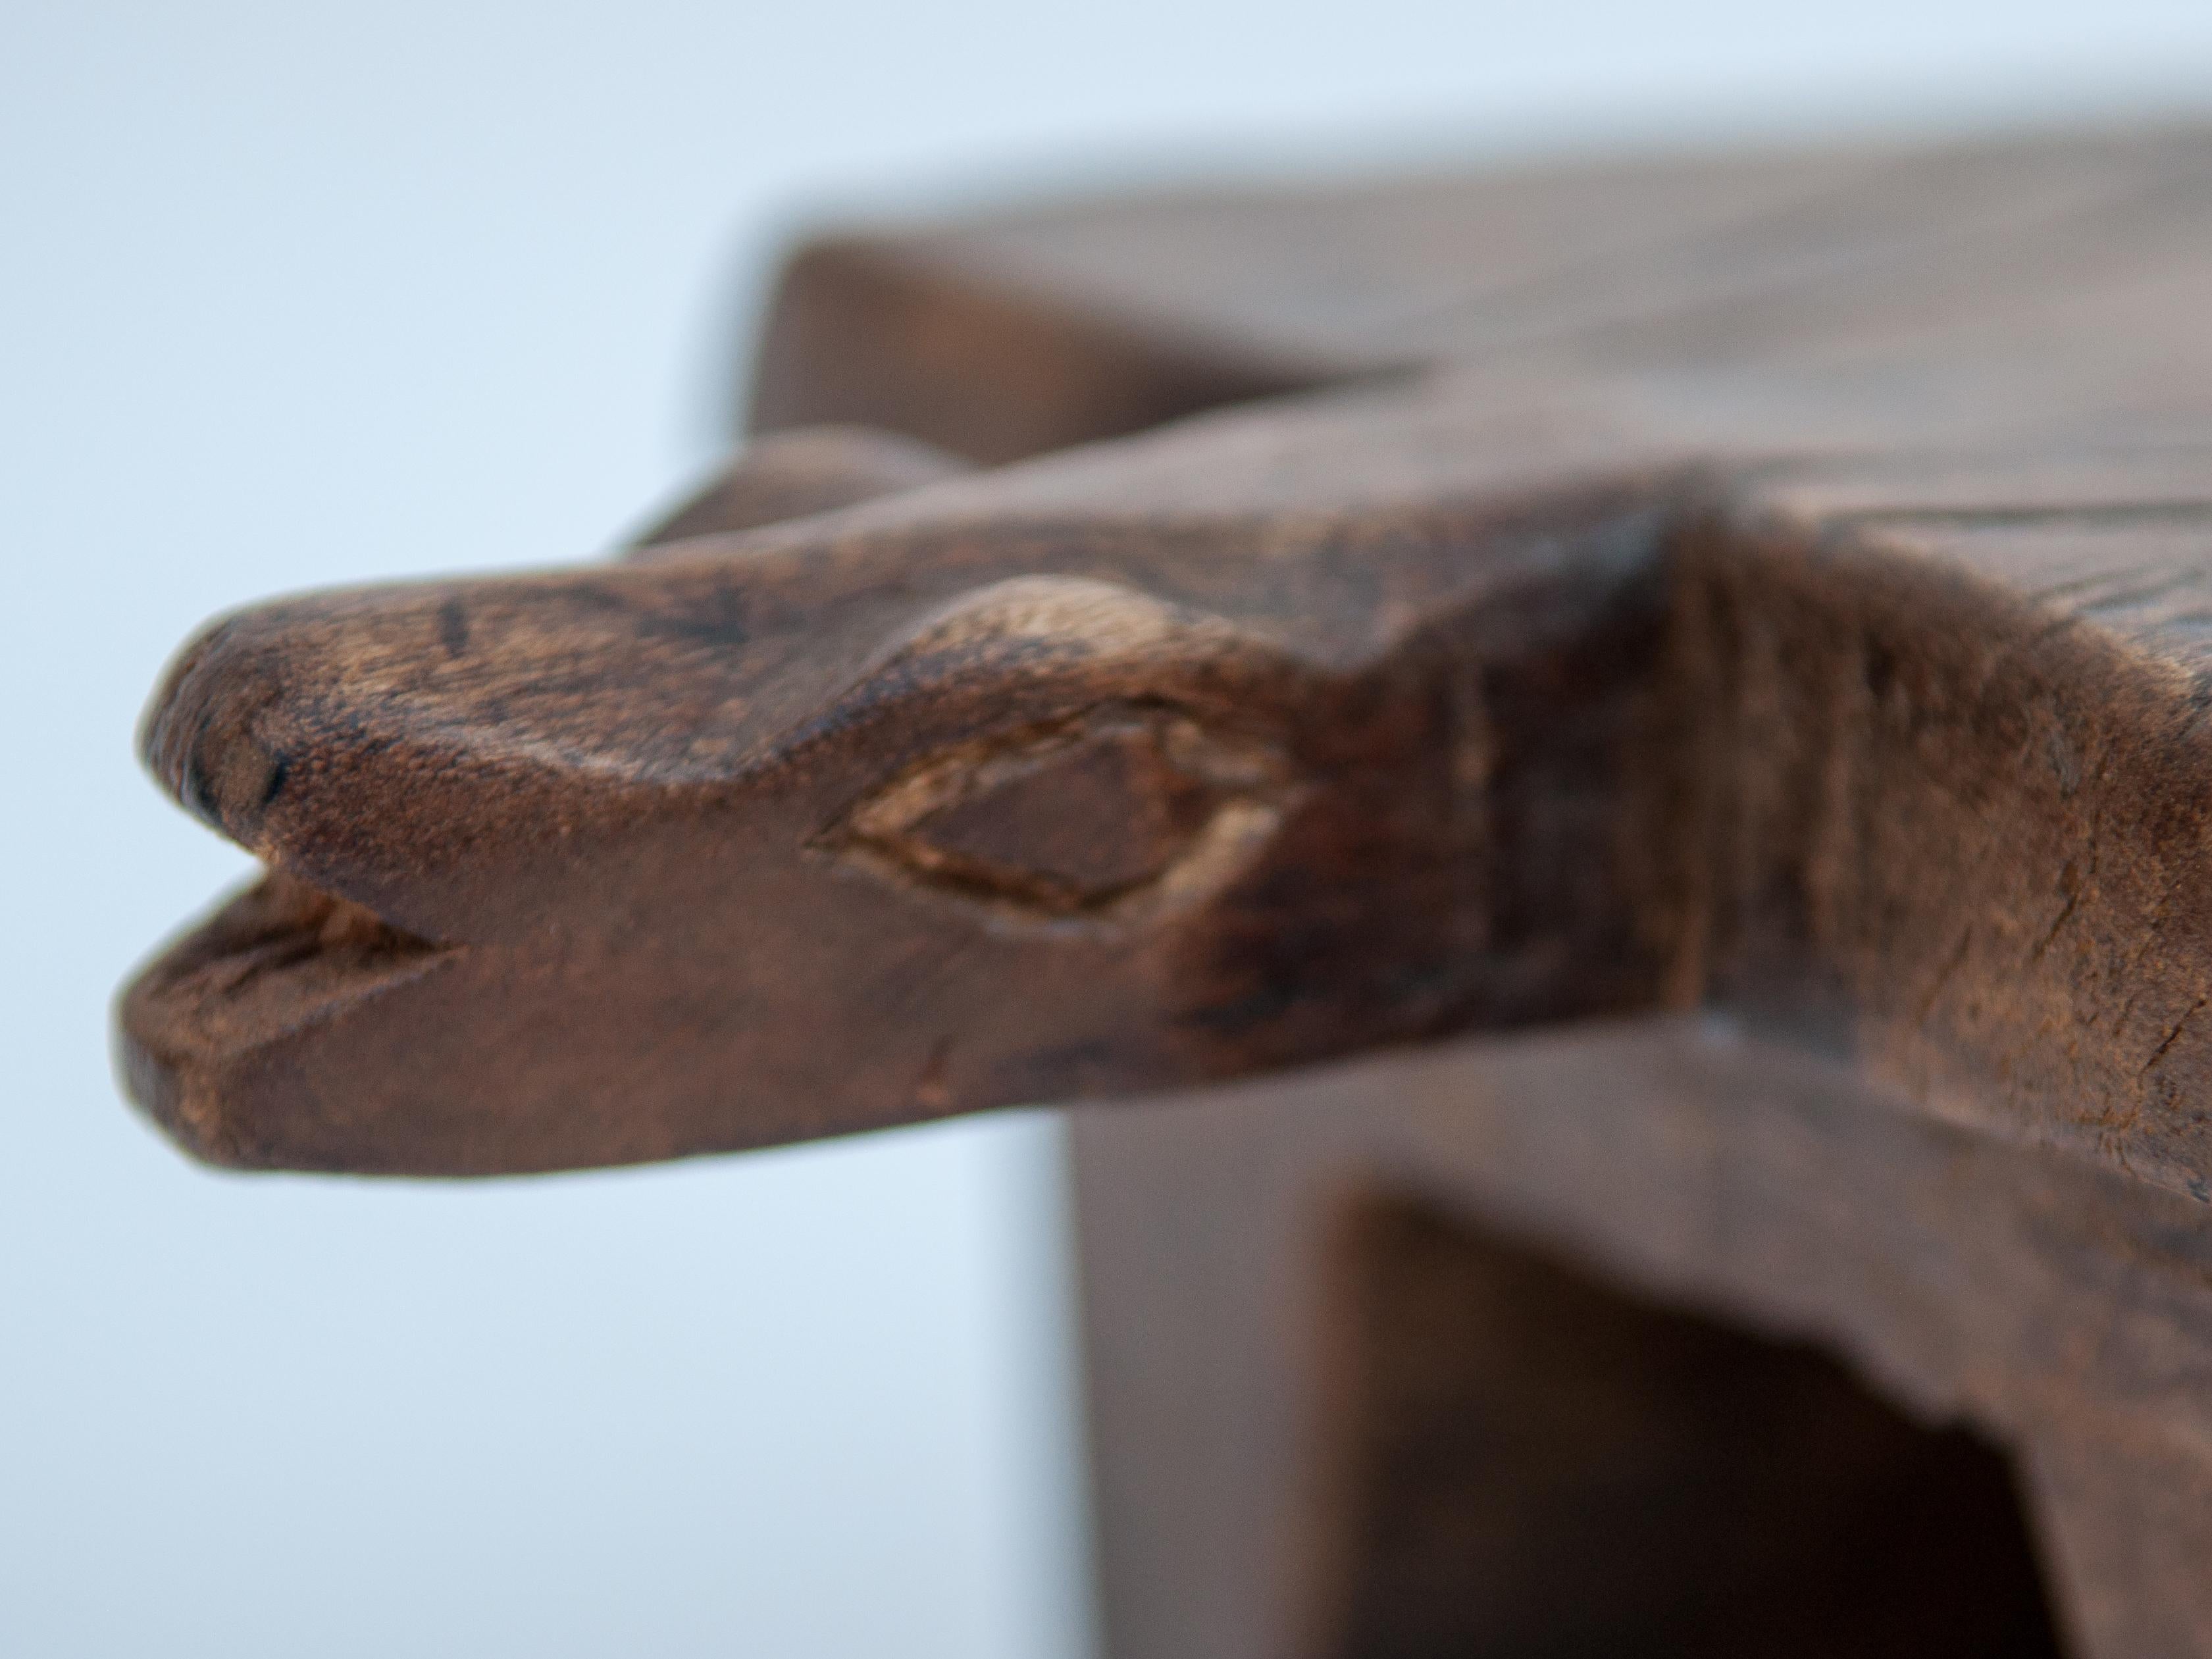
[(1765, 585), (1165, 641), (1278, 1474)]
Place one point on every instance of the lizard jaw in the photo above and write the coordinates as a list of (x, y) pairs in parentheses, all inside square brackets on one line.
[(277, 958)]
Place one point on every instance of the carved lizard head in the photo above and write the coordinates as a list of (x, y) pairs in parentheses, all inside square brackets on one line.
[(880, 814)]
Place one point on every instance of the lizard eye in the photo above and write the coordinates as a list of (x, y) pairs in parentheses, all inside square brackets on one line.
[(1109, 817)]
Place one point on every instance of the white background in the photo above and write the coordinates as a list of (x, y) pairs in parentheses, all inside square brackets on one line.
[(298, 293)]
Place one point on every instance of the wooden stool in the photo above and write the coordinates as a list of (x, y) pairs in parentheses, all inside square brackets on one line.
[(1686, 684)]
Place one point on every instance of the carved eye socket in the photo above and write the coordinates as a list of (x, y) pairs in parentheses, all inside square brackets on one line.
[(1113, 815)]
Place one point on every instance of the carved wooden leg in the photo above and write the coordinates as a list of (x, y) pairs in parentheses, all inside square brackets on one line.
[(1441, 1355), (2127, 1522), (1197, 1271)]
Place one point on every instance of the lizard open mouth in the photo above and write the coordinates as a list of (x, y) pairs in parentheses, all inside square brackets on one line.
[(276, 957)]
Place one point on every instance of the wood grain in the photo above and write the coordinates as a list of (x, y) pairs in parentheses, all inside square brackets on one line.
[(1746, 614), (1762, 585), (1251, 1502)]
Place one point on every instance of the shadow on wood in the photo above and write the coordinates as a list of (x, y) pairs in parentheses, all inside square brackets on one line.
[(1534, 1464)]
